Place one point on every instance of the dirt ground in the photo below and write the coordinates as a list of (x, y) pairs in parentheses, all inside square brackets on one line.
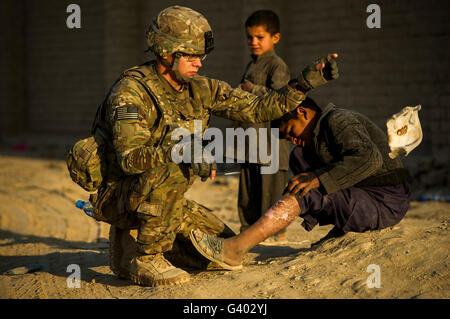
[(39, 224)]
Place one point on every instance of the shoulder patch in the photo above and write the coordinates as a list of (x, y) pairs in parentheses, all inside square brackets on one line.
[(127, 113)]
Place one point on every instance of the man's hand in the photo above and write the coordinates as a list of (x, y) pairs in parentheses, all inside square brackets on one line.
[(247, 86), (303, 181), (319, 73)]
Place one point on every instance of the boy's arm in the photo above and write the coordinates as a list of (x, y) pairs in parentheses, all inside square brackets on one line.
[(277, 78), (259, 89), (279, 75), (359, 155)]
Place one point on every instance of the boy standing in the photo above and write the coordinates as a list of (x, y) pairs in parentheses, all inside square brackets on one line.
[(266, 71)]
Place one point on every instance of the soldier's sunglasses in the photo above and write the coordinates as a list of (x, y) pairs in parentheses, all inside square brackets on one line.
[(193, 57)]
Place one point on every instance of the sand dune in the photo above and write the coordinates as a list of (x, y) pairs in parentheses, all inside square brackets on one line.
[(39, 224)]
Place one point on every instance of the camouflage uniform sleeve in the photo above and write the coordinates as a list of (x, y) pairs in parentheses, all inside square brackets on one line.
[(132, 115), (245, 107)]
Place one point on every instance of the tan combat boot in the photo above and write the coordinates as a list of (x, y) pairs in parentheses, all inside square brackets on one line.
[(122, 250), (184, 255), (155, 270)]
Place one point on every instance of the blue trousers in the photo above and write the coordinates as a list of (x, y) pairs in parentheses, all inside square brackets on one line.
[(354, 209)]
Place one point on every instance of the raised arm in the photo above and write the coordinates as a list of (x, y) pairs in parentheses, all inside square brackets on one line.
[(245, 107)]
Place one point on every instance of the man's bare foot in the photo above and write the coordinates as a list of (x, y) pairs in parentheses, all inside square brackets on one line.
[(211, 247), (232, 254)]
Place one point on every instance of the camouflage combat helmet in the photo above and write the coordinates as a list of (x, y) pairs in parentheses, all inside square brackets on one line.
[(180, 29)]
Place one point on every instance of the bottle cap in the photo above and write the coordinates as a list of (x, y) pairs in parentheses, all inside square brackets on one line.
[(80, 204)]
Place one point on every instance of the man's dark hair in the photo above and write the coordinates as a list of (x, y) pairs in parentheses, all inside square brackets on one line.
[(266, 18), (307, 103)]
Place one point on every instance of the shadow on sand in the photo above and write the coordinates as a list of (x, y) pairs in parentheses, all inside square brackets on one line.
[(89, 256)]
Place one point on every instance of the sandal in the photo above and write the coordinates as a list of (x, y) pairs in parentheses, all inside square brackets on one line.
[(211, 248)]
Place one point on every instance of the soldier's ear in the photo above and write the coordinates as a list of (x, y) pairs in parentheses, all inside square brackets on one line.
[(168, 58)]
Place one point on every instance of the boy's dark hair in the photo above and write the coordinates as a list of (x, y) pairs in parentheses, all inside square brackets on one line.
[(307, 103), (266, 18)]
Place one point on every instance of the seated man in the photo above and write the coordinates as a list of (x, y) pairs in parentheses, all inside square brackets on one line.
[(343, 176)]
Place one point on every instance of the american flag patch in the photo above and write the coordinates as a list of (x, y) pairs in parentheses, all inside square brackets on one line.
[(127, 113)]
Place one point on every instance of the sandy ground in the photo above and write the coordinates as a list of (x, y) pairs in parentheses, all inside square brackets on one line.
[(39, 224)]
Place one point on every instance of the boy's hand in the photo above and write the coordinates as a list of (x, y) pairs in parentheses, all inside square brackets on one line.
[(247, 86), (303, 182), (319, 73)]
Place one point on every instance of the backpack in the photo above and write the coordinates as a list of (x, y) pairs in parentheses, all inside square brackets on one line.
[(86, 162), (90, 166)]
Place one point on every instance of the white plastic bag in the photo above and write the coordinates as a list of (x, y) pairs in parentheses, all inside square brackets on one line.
[(404, 131)]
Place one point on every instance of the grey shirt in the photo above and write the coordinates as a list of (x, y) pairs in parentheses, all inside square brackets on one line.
[(352, 150), (268, 72)]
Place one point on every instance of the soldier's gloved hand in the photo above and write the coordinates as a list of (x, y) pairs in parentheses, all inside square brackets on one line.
[(190, 152), (201, 164), (204, 170), (319, 73)]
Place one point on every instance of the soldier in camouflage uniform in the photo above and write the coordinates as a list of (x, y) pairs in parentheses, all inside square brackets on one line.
[(145, 188)]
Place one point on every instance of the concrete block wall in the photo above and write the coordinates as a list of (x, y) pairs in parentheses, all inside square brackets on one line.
[(56, 76), (405, 62), (12, 68), (64, 67), (123, 38)]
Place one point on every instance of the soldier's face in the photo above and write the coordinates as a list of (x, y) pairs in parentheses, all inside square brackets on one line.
[(259, 40), (299, 129), (186, 68), (189, 68)]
